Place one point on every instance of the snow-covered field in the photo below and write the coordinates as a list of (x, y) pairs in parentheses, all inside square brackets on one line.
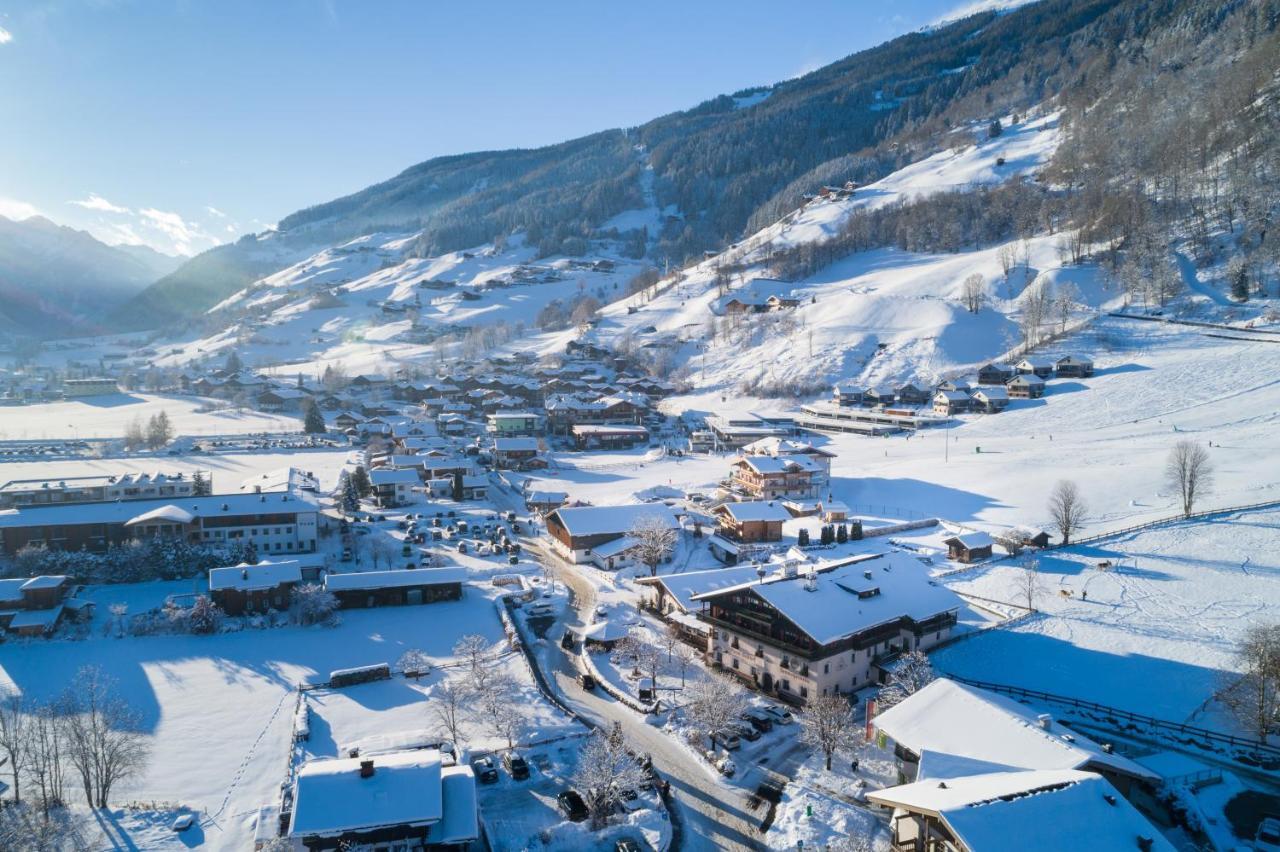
[(1153, 634), (107, 417)]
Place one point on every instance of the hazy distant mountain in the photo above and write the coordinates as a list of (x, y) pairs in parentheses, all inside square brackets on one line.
[(56, 281)]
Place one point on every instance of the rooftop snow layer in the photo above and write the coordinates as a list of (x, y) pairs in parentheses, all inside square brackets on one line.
[(331, 797)]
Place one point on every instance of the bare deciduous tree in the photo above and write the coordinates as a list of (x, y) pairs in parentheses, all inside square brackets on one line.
[(1254, 699), (47, 769), (647, 656), (713, 703), (414, 663), (655, 540), (827, 725), (1028, 585), (606, 770), (1190, 472), (449, 706), (471, 650), (497, 706), (685, 657), (15, 738), (912, 673), (974, 289), (1067, 509), (104, 742)]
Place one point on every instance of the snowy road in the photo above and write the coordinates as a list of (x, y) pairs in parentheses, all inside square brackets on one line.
[(713, 815)]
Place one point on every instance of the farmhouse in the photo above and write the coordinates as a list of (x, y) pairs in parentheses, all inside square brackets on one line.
[(1025, 386), (394, 588), (948, 402), (847, 395), (272, 523), (543, 502), (748, 523), (242, 588), (948, 724), (575, 532), (1060, 808), (969, 547), (404, 799), (784, 447), (776, 477), (33, 606), (830, 628), (991, 399)]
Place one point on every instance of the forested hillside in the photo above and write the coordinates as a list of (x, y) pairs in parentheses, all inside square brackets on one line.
[(733, 164)]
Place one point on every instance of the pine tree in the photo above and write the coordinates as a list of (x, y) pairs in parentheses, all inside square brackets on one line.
[(159, 431), (201, 485), (360, 479), (1239, 282), (233, 363), (312, 419)]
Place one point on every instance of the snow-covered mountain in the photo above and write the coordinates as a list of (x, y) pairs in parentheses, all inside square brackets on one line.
[(56, 281)]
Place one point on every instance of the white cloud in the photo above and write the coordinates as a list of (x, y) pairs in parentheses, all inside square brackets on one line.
[(102, 205), (174, 227), (12, 208), (214, 211), (5, 36)]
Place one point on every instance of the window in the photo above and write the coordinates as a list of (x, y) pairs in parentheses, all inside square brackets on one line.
[(735, 662), (826, 668), (804, 692)]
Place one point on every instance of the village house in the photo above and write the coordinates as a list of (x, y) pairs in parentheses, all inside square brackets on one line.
[(577, 531), (394, 487), (277, 399), (991, 399), (410, 586), (911, 394), (244, 588), (603, 437), (949, 402), (96, 489), (1025, 386), (281, 479), (847, 395), (1073, 367), (272, 523), (969, 547), (34, 606), (747, 523), (401, 800), (994, 374), (826, 628), (735, 431), (506, 423), (778, 447), (775, 477), (671, 596), (879, 396), (514, 453), (1041, 367)]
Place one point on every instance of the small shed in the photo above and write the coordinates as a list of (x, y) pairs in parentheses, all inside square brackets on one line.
[(969, 547)]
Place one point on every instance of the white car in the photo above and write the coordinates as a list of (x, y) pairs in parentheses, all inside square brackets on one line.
[(780, 715)]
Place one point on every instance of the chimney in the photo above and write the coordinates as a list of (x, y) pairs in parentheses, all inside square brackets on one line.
[(867, 574), (244, 573), (1045, 720), (366, 768)]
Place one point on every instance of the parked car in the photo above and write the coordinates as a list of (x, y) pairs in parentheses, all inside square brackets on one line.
[(758, 719), (485, 769), (727, 740), (780, 715), (626, 844), (587, 681), (515, 765), (571, 805), (630, 801), (745, 730), (462, 547)]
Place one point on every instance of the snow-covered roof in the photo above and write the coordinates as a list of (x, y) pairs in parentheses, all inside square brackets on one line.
[(45, 581), (684, 586), (755, 510), (331, 797), (170, 514), (603, 520), (398, 476), (844, 601), (546, 497), (281, 479), (1063, 810), (603, 631), (138, 510), (394, 579), (775, 445), (616, 547), (609, 429), (779, 464), (11, 590), (971, 540), (951, 718), (459, 822), (992, 392), (264, 575), (515, 445), (42, 618)]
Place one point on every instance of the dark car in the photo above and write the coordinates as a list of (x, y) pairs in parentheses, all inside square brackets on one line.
[(587, 681), (758, 720), (572, 805), (516, 765), (485, 769)]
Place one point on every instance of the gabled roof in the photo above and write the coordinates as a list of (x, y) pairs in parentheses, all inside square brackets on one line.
[(331, 798), (682, 587), (394, 476), (394, 579), (953, 718), (779, 464), (264, 575), (1063, 810), (755, 510), (970, 541), (604, 520)]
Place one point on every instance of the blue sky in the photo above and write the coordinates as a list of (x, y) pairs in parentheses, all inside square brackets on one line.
[(183, 123)]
